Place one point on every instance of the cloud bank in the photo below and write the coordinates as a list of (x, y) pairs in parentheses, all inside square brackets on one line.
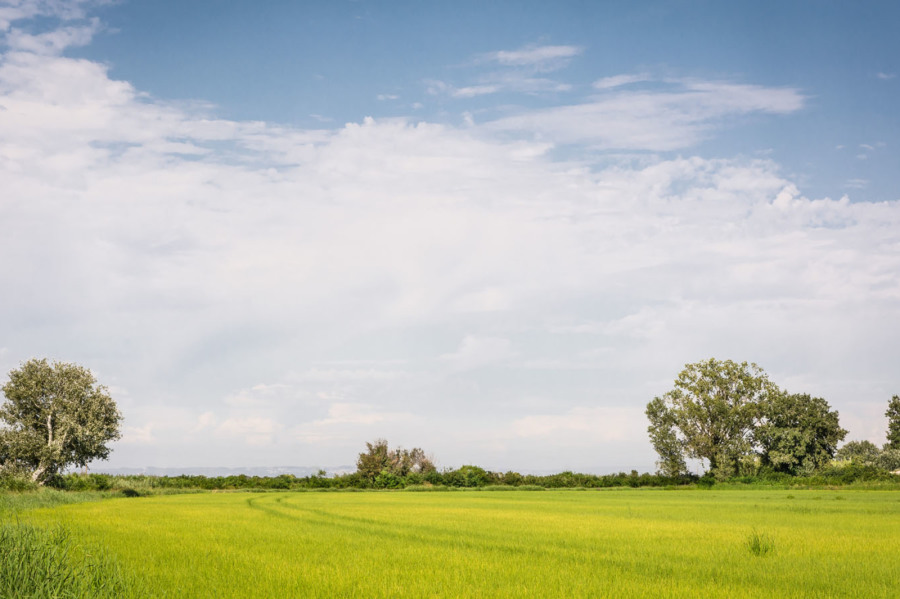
[(260, 294)]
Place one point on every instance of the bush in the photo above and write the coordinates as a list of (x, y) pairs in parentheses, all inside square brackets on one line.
[(706, 481), (13, 480), (388, 480)]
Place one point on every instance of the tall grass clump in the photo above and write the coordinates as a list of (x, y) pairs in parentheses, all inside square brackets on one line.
[(760, 544), (44, 562)]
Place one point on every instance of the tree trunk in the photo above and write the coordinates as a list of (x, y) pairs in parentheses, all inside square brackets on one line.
[(38, 474)]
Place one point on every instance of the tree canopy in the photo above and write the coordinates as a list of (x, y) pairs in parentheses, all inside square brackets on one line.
[(708, 415), (797, 433), (379, 458), (724, 412), (55, 415)]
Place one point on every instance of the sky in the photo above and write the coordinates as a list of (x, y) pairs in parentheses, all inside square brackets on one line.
[(278, 230)]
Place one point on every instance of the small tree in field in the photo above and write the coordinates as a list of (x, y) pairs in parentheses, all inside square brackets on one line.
[(55, 415), (379, 458)]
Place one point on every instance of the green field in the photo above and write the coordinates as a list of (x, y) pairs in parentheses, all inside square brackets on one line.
[(611, 543)]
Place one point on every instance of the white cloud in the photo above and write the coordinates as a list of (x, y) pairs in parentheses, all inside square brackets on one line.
[(138, 434), (620, 80), (885, 76), (514, 73), (587, 424), (55, 41), (540, 57), (16, 10), (475, 90), (334, 374), (651, 120), (253, 430), (475, 352)]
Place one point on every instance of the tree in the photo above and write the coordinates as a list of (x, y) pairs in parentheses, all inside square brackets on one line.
[(710, 414), (893, 415), (797, 433), (55, 416), (864, 453), (378, 459)]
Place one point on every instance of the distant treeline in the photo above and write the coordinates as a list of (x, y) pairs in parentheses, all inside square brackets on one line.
[(464, 477)]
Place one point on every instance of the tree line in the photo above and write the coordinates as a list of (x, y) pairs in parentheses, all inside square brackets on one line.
[(734, 418), (55, 416)]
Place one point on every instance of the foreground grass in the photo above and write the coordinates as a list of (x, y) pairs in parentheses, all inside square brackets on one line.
[(622, 543), (45, 562)]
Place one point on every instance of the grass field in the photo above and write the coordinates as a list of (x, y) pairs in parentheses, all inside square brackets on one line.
[(612, 543)]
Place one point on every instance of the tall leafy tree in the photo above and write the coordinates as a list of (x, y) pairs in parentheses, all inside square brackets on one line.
[(893, 415), (797, 433), (710, 414), (55, 416)]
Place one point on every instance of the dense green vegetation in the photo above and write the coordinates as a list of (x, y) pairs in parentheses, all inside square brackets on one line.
[(617, 542)]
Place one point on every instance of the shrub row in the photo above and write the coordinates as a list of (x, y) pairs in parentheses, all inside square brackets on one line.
[(463, 477)]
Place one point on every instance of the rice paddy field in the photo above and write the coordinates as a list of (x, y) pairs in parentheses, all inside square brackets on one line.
[(609, 543)]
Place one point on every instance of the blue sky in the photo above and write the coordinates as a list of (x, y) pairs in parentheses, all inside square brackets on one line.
[(494, 231), (297, 63)]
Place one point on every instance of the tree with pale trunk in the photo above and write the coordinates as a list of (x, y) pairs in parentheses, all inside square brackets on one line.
[(709, 415), (55, 416)]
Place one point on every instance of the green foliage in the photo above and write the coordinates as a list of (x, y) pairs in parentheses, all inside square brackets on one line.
[(467, 476), (760, 544), (379, 458), (706, 481), (709, 415), (388, 480), (12, 479), (797, 434), (889, 459), (665, 439), (37, 562), (893, 415), (859, 452), (56, 415)]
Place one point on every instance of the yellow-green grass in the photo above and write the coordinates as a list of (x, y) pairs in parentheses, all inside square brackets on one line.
[(612, 543)]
